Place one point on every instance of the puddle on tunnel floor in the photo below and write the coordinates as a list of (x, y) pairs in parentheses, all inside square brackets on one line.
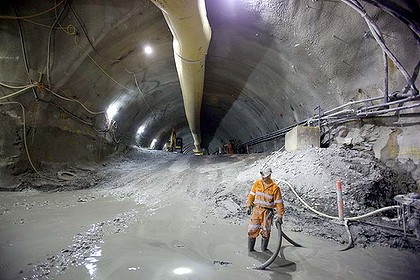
[(178, 241), (179, 245)]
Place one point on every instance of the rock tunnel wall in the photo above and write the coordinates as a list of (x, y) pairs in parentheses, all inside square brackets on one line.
[(269, 65), (58, 140)]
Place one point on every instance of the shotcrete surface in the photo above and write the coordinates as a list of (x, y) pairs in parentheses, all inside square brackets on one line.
[(155, 215)]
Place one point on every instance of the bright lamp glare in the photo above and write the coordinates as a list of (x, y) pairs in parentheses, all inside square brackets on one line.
[(112, 111), (182, 270), (141, 129), (148, 50), (153, 144)]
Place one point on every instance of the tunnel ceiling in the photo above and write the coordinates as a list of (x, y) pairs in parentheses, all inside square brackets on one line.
[(269, 64)]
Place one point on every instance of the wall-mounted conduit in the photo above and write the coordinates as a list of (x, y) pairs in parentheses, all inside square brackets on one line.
[(341, 115)]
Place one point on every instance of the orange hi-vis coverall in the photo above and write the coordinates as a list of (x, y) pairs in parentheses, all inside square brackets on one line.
[(264, 197)]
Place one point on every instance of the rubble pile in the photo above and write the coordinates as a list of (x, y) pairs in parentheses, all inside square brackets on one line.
[(368, 185), (223, 182)]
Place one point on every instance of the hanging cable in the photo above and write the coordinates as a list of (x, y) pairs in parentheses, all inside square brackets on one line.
[(342, 116), (17, 92), (97, 64), (400, 13), (24, 132), (378, 37), (49, 43), (81, 25), (25, 88), (32, 16), (25, 57), (142, 94), (14, 87), (74, 100)]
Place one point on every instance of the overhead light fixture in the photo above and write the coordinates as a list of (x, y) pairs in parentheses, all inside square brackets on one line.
[(112, 111), (182, 270), (141, 129), (148, 49), (153, 144)]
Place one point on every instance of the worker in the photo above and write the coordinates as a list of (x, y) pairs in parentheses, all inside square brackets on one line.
[(264, 197), (173, 140)]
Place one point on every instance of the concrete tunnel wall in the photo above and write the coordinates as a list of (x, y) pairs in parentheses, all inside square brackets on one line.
[(269, 65)]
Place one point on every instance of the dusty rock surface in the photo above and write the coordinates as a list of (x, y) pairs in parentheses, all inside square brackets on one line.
[(367, 185), (216, 187)]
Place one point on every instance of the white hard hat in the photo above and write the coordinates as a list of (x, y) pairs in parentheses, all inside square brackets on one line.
[(265, 172)]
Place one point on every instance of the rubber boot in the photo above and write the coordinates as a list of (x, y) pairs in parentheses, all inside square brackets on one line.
[(251, 244), (264, 244)]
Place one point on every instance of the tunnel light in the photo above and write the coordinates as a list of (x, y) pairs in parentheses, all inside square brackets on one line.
[(112, 111), (141, 129), (182, 270), (148, 49), (153, 144)]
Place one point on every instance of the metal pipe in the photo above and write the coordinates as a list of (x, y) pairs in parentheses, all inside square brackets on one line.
[(347, 111), (398, 12), (310, 120), (358, 115), (388, 110), (386, 98), (410, 98), (187, 20), (352, 103), (378, 37)]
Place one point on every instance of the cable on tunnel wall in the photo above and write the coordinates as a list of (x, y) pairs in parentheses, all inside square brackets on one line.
[(97, 64), (111, 128), (57, 19), (24, 132), (44, 87), (17, 92), (70, 29), (15, 87), (74, 100), (340, 117), (350, 114), (142, 94), (25, 56), (397, 12), (32, 16), (379, 39)]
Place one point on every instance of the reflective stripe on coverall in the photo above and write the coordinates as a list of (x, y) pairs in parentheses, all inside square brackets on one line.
[(265, 199)]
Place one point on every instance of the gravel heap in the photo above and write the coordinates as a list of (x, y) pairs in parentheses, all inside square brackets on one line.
[(223, 183), (367, 185)]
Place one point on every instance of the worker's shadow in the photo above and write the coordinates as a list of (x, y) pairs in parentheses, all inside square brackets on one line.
[(280, 266)]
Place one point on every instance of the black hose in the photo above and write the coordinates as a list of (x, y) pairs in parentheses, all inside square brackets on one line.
[(274, 256), (290, 240), (350, 245)]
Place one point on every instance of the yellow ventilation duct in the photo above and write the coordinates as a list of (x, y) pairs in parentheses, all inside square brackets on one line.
[(188, 22)]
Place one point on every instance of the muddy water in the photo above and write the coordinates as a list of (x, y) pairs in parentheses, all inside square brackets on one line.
[(86, 235)]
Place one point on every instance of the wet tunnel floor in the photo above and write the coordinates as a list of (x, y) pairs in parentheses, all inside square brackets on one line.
[(86, 235)]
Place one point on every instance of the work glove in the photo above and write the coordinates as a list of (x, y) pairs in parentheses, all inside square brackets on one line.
[(249, 210)]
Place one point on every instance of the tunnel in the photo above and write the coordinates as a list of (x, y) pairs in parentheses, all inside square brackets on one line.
[(325, 92)]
